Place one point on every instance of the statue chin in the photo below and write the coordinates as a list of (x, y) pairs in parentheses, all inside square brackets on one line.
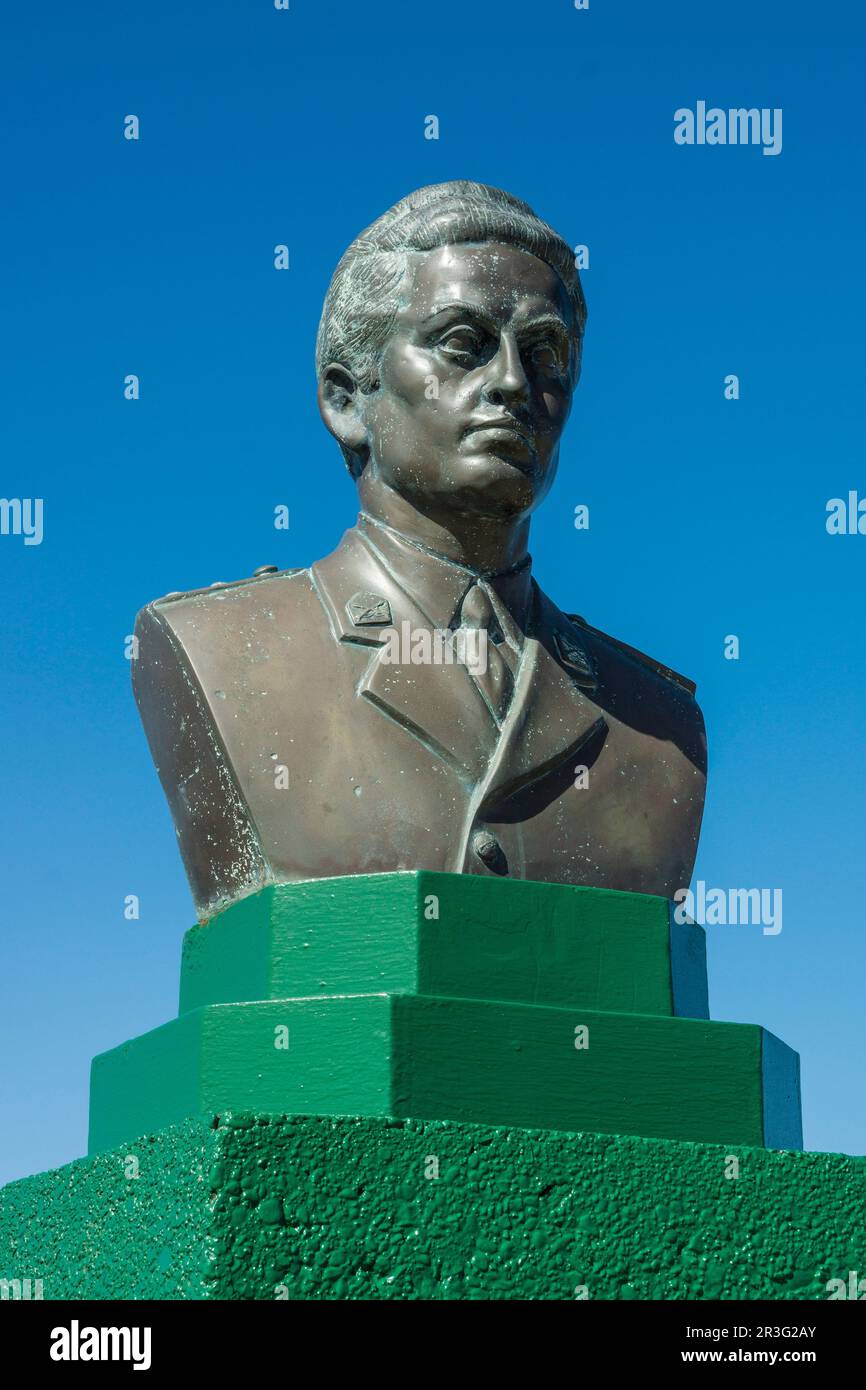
[(484, 484)]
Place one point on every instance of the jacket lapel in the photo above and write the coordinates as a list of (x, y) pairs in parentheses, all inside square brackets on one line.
[(439, 704), (552, 713)]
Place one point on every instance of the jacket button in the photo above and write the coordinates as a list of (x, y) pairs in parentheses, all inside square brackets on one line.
[(490, 851)]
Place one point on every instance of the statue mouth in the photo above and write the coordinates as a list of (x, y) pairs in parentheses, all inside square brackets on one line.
[(504, 430)]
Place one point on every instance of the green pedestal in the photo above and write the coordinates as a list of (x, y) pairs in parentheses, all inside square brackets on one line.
[(427, 1085), (438, 996), (450, 935), (270, 1207)]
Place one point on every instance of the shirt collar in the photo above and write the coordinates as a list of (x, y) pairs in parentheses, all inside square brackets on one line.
[(438, 585)]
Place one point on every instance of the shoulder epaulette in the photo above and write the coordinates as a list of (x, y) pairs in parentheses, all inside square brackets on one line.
[(682, 681), (264, 572)]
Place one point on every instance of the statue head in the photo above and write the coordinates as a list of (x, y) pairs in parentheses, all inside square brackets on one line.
[(448, 351)]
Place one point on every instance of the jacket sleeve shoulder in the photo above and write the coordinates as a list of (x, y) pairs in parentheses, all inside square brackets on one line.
[(219, 846), (658, 666)]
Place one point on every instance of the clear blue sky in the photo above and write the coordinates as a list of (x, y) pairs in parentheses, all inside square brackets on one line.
[(261, 127)]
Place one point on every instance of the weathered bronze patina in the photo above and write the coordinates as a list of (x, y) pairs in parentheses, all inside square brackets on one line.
[(414, 700)]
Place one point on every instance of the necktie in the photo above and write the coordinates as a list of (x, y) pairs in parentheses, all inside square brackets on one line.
[(495, 682)]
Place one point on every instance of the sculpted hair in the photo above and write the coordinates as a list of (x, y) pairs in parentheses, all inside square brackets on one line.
[(362, 298)]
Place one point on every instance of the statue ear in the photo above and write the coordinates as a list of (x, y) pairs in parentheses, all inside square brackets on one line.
[(341, 407)]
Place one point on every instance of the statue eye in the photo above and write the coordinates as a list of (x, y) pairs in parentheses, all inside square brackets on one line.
[(462, 343), (546, 356)]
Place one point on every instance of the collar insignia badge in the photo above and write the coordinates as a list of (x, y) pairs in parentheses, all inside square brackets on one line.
[(572, 655), (368, 610)]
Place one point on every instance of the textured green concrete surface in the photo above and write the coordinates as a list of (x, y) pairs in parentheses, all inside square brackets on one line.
[(454, 935), (268, 1207), (463, 1059)]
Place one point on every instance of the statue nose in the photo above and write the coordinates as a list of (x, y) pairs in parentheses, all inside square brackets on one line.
[(507, 380)]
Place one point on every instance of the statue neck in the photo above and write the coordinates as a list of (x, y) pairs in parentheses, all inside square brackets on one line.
[(489, 545)]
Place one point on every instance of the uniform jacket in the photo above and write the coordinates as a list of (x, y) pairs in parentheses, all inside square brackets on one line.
[(289, 749)]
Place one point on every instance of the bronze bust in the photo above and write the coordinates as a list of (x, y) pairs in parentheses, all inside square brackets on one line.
[(316, 722)]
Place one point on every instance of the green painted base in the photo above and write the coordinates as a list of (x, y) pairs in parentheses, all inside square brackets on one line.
[(453, 997), (455, 936), (267, 1207), (408, 1056)]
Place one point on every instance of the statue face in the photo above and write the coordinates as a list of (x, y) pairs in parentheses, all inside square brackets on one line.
[(475, 384)]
